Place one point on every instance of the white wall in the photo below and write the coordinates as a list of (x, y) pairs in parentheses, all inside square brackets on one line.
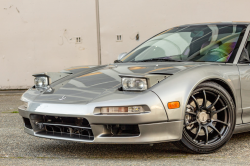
[(35, 37), (149, 17), (35, 34)]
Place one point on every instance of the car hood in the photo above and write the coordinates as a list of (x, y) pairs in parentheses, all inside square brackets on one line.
[(87, 85)]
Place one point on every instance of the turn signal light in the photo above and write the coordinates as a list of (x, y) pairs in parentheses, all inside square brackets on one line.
[(174, 104)]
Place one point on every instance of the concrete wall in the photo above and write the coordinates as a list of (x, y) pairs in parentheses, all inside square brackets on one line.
[(35, 35), (148, 17), (39, 35)]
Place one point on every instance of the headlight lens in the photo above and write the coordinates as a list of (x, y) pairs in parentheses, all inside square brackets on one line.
[(41, 82), (131, 109), (134, 84)]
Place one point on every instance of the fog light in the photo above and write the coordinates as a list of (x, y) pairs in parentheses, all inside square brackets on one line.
[(131, 109)]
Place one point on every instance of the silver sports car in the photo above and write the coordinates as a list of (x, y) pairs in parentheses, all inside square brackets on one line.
[(189, 85)]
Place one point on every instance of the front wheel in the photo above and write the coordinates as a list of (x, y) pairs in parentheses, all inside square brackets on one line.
[(209, 119)]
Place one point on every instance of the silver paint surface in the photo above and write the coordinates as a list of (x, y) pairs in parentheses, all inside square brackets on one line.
[(89, 87)]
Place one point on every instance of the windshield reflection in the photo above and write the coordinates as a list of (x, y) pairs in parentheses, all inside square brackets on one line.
[(198, 43)]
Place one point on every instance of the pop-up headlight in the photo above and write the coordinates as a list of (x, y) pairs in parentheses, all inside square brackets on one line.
[(140, 82), (41, 82), (134, 84)]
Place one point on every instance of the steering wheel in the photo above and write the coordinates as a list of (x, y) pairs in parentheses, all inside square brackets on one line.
[(216, 53)]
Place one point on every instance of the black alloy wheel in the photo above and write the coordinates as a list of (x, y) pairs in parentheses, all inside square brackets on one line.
[(209, 119)]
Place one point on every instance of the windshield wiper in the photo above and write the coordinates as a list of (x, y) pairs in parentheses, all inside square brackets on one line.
[(159, 59), (118, 61)]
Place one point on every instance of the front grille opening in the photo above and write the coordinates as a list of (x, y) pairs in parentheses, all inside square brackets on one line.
[(68, 127), (121, 130), (57, 129), (84, 132), (27, 123), (69, 130), (63, 120), (74, 121), (49, 128)]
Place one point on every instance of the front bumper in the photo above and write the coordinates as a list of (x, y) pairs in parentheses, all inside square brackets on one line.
[(151, 132)]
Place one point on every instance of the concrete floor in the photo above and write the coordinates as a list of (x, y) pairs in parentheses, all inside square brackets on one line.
[(18, 148)]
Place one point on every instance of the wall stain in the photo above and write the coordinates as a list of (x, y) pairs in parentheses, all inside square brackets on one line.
[(17, 10)]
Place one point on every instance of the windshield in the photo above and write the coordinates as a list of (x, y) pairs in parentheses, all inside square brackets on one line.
[(200, 43)]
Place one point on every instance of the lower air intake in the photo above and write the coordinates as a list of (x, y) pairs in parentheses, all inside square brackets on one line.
[(66, 127)]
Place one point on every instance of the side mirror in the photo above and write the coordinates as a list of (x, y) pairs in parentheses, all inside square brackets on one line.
[(121, 55), (244, 57)]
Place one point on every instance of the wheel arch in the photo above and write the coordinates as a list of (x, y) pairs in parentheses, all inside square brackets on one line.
[(219, 80), (224, 85)]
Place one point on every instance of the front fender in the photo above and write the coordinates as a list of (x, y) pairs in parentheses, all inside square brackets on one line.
[(180, 86)]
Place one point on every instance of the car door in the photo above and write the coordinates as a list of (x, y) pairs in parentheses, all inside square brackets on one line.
[(244, 70)]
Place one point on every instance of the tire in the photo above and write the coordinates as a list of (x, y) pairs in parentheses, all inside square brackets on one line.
[(209, 119)]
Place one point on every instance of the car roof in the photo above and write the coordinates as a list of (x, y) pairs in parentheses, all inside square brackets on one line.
[(219, 23)]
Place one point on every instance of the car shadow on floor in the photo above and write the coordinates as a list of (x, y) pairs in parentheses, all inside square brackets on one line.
[(129, 151), (72, 149)]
